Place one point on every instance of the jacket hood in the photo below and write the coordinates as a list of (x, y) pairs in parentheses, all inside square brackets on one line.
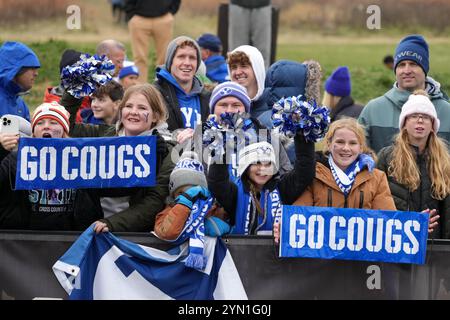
[(13, 57), (257, 61), (162, 73), (399, 97), (290, 78)]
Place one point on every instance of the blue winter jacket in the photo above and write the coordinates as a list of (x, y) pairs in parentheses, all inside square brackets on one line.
[(13, 57), (284, 79)]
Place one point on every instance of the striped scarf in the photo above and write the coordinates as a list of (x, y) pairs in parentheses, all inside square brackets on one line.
[(194, 229), (345, 180)]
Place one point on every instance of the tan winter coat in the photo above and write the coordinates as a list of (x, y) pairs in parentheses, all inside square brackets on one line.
[(369, 191)]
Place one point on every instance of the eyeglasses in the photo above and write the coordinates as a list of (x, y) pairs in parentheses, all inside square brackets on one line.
[(417, 116)]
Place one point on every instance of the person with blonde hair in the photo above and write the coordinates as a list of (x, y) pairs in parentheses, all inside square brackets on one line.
[(345, 172), (418, 163), (141, 112), (346, 176)]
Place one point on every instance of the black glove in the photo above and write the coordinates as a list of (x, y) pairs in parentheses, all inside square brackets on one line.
[(161, 150)]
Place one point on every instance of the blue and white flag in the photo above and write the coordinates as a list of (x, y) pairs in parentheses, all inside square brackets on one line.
[(86, 163), (103, 266), (354, 234)]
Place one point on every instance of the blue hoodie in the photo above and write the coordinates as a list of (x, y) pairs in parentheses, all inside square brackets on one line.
[(217, 69), (13, 57), (189, 103)]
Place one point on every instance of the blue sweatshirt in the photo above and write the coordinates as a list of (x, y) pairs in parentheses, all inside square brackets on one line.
[(13, 57), (189, 102)]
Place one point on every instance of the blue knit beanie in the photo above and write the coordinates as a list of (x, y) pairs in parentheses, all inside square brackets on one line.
[(414, 48), (210, 41), (339, 84), (227, 89)]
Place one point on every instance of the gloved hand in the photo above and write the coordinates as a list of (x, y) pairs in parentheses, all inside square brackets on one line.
[(191, 195), (161, 150), (216, 227)]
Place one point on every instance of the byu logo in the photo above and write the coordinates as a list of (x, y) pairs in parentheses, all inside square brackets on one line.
[(225, 91), (263, 150)]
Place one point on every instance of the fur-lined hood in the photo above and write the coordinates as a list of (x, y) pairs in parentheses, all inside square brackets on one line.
[(290, 78)]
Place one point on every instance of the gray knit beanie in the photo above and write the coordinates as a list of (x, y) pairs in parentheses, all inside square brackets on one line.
[(173, 46), (188, 171)]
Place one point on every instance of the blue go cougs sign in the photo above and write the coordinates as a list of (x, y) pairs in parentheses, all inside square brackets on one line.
[(354, 234)]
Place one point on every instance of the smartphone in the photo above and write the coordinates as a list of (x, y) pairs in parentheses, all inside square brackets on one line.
[(9, 125)]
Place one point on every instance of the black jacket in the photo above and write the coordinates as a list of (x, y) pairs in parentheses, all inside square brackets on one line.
[(16, 212), (290, 185), (419, 199), (144, 203), (151, 8), (175, 120), (346, 107)]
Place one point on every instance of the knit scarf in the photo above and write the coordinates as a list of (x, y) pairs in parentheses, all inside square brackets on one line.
[(194, 229), (345, 180)]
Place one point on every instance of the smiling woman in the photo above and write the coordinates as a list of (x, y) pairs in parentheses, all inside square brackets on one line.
[(345, 174), (141, 109), (141, 113)]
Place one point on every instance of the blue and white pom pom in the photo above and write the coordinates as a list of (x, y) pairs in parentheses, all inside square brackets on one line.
[(292, 114), (237, 121), (233, 126), (83, 77), (213, 135)]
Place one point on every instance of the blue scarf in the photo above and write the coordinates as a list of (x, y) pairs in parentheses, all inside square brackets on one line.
[(194, 229), (345, 180)]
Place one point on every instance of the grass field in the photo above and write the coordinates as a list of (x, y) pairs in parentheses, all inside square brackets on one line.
[(361, 51)]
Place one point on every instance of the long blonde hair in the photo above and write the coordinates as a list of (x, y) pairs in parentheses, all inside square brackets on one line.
[(404, 169), (353, 125), (330, 101)]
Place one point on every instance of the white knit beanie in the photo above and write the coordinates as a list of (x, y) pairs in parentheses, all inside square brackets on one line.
[(418, 103), (256, 152)]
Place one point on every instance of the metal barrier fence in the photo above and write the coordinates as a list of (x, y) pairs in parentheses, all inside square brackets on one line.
[(26, 260)]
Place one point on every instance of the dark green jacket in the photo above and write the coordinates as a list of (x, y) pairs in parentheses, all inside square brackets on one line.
[(144, 203), (419, 199), (380, 116)]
